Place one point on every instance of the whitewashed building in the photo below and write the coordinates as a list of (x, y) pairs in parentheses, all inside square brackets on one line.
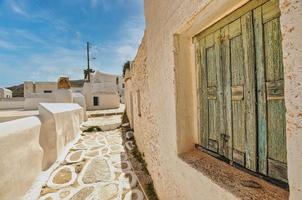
[(5, 93), (102, 92)]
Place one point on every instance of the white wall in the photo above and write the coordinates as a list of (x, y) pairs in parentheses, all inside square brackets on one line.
[(60, 125), (106, 101), (38, 87), (291, 15), (32, 103), (104, 86), (13, 103), (168, 125), (77, 89), (21, 156), (80, 99), (42, 86)]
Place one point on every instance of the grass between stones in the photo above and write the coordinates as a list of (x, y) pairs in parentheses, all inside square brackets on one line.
[(93, 129), (139, 165)]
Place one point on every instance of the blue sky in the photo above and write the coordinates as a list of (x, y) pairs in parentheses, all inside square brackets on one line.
[(43, 39)]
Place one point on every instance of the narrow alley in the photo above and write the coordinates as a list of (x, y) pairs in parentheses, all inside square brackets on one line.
[(96, 167)]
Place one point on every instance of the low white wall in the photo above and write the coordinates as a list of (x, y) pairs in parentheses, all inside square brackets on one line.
[(4, 105), (9, 118), (32, 103), (12, 103), (60, 125), (80, 99), (20, 156)]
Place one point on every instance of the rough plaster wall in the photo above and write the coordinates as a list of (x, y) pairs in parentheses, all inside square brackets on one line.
[(21, 156), (173, 179), (291, 27), (127, 95), (144, 125)]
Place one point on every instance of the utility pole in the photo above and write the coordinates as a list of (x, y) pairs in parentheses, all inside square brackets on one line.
[(88, 70), (88, 64)]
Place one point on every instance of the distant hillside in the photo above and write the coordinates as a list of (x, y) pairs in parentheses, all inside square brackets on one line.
[(18, 90), (77, 83)]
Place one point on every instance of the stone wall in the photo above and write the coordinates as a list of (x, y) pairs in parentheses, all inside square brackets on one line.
[(21, 156), (164, 72)]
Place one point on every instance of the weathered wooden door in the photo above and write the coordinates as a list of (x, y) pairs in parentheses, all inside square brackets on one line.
[(241, 89), (270, 91)]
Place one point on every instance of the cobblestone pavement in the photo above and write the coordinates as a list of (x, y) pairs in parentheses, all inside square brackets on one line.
[(96, 168)]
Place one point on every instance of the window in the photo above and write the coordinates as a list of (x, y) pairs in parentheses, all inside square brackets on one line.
[(123, 85), (47, 91), (95, 101), (116, 80), (242, 89), (139, 103)]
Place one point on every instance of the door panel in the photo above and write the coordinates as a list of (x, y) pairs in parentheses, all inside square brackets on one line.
[(275, 100), (238, 105), (227, 97), (221, 131), (212, 98), (261, 91), (242, 111), (249, 90), (203, 95)]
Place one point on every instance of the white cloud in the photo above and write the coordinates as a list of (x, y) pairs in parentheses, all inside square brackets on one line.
[(55, 60), (108, 4), (60, 61), (17, 8), (123, 49), (7, 45)]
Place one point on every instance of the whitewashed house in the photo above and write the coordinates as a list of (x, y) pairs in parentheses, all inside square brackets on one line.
[(5, 93), (102, 92)]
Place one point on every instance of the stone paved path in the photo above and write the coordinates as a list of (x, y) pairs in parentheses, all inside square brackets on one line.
[(96, 168)]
